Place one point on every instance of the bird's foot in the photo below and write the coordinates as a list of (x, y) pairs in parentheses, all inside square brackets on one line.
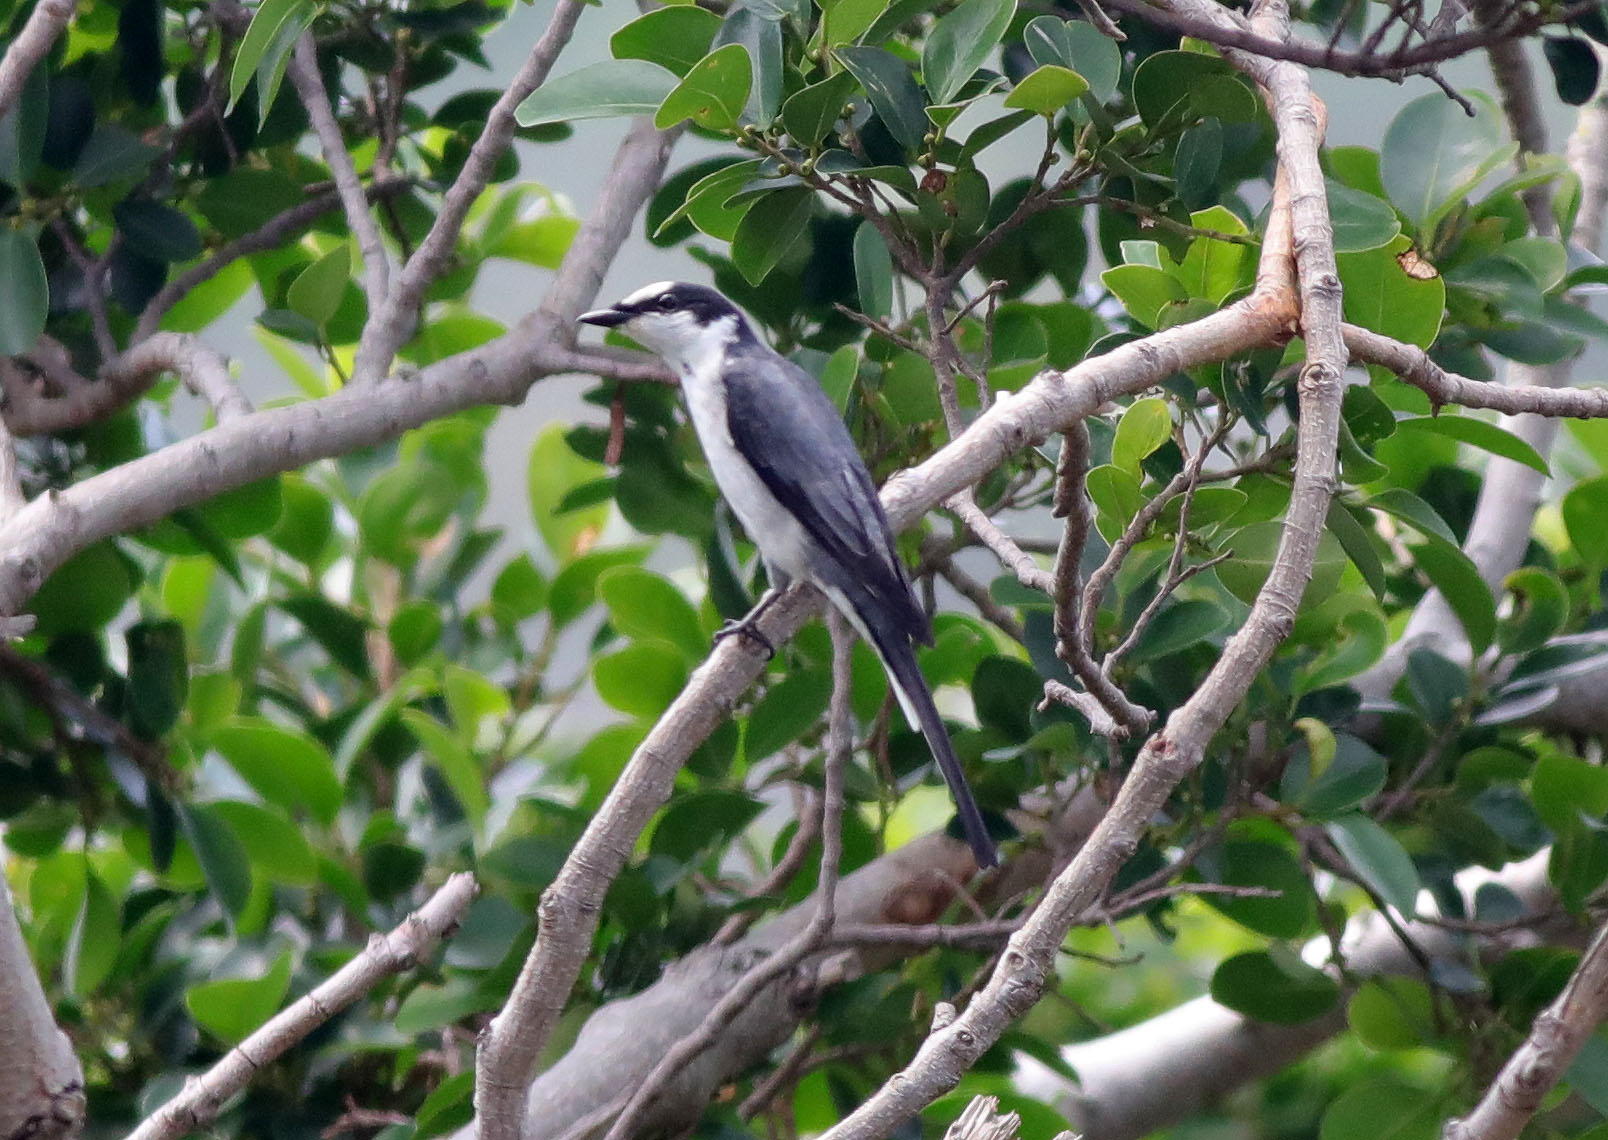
[(746, 627)]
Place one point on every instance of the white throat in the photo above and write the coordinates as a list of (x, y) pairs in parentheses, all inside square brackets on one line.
[(693, 350)]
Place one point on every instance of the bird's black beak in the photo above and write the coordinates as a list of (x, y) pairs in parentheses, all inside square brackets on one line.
[(607, 318)]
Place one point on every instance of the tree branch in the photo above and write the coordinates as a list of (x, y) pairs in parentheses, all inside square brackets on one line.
[(204, 370), (840, 742), (392, 318), (401, 950), (51, 529), (1555, 1040), (41, 1082), (45, 23), (309, 84)]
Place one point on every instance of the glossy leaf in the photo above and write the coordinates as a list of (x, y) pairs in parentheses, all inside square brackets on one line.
[(317, 291), (675, 37), (810, 113), (1481, 434), (892, 90), (1145, 426), (713, 93), (285, 766), (773, 226), (1285, 990), (1378, 858), (601, 91), (1433, 154), (267, 24), (873, 272), (231, 1008)]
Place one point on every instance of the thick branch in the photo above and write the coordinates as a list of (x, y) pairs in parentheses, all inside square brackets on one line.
[(401, 950), (41, 1083)]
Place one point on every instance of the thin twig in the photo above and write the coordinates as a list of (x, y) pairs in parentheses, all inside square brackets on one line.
[(392, 318), (309, 84), (198, 1104), (45, 23), (808, 815)]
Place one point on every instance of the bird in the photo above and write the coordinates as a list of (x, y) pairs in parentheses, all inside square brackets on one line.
[(785, 462)]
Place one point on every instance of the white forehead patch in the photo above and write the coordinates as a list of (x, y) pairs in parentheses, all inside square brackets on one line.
[(647, 292)]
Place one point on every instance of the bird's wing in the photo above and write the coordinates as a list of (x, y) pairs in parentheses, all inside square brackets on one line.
[(790, 432)]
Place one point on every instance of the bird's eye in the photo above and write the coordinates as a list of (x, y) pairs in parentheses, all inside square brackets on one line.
[(667, 302)]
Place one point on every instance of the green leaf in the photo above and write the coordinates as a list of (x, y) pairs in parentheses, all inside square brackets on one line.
[(1179, 626), (1355, 773), (1563, 788), (158, 676), (317, 291), (223, 860), (789, 708), (454, 760), (1358, 544), (646, 607), (713, 93), (641, 679), (231, 1009), (1575, 70), (340, 633), (769, 231), (1380, 295), (809, 114), (1392, 1013), (552, 472), (1359, 641), (284, 765), (274, 845), (1145, 291), (1433, 153), (873, 272), (1382, 1109), (1413, 511), (604, 90), (675, 38), (1240, 863), (1585, 517), (1145, 426), (1174, 87), (1361, 221), (267, 23), (1256, 547), (762, 39), (93, 943), (1378, 858), (1078, 46), (113, 153), (892, 91), (694, 823), (1282, 990), (85, 592), (1478, 433), (22, 129), (157, 230), (959, 43), (1459, 582), (26, 291), (1047, 89)]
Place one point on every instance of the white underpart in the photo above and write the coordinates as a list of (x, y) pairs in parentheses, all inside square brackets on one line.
[(697, 352)]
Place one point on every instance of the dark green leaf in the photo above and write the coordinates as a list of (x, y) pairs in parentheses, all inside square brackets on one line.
[(1267, 866), (771, 228), (1283, 990), (1382, 1110), (873, 272), (675, 37), (267, 24), (1355, 773), (892, 91), (696, 822), (342, 634), (1575, 70), (1434, 153), (22, 129), (1585, 517), (158, 676), (1378, 858), (157, 230), (788, 709), (810, 113), (1478, 433), (959, 43), (223, 860), (1361, 221)]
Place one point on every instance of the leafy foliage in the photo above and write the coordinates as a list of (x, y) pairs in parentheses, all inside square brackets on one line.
[(243, 738)]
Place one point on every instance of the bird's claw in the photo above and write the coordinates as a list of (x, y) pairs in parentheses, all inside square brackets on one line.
[(748, 628)]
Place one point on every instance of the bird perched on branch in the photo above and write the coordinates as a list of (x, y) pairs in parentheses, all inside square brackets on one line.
[(785, 462)]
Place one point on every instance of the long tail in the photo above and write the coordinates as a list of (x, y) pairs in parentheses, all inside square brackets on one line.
[(915, 698)]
